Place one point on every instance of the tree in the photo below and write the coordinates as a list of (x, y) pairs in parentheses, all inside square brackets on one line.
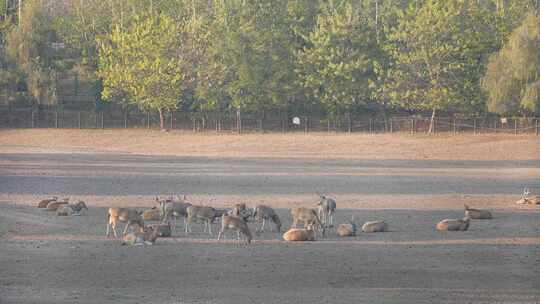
[(337, 66), (512, 79), (145, 60), (31, 45), (436, 51)]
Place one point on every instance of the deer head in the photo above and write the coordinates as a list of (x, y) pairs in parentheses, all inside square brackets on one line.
[(525, 193)]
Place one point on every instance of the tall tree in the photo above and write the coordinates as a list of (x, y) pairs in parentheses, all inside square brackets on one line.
[(32, 45), (512, 79), (147, 61), (436, 51), (337, 66)]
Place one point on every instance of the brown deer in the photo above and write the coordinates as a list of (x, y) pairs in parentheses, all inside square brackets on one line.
[(232, 222), (124, 215)]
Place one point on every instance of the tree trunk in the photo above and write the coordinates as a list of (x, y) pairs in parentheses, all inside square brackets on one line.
[(432, 122), (161, 119)]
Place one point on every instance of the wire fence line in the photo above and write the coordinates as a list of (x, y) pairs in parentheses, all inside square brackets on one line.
[(274, 122)]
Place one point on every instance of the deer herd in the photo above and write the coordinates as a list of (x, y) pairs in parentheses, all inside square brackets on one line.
[(316, 221)]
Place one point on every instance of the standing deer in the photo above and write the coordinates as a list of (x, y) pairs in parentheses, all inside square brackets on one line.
[(204, 213), (308, 216), (124, 215), (232, 222), (242, 211), (173, 208), (326, 208), (264, 213)]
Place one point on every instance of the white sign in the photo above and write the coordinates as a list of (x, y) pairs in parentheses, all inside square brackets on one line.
[(296, 120)]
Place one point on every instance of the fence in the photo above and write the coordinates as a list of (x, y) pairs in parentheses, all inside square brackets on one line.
[(280, 122)]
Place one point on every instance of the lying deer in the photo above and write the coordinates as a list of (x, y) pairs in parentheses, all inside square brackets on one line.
[(232, 222), (454, 224), (262, 213), (45, 202), (124, 215), (145, 236), (163, 229), (526, 199), (347, 229), (53, 206), (477, 214), (375, 226), (152, 214), (72, 209), (300, 235)]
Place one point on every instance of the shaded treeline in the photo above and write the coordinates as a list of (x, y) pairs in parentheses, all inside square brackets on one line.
[(338, 57)]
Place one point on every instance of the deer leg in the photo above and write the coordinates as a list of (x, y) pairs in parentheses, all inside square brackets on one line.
[(126, 227), (209, 226), (114, 230), (187, 226), (108, 229), (220, 234), (262, 227)]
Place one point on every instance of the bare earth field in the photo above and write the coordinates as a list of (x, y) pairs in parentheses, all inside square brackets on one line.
[(411, 182)]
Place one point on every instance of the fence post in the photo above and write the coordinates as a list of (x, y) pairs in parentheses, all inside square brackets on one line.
[(515, 126), (391, 125), (412, 126), (102, 121), (79, 118), (370, 126), (125, 120), (172, 119), (148, 120), (454, 126), (56, 119), (536, 126), (328, 125), (474, 126), (239, 120), (349, 122), (32, 122), (306, 127)]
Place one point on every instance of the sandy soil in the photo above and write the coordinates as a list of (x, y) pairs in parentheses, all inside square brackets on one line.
[(49, 259), (291, 145), (410, 182)]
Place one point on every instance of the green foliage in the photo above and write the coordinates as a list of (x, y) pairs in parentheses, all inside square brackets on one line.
[(337, 68), (436, 53), (30, 46), (265, 54), (512, 79), (146, 61)]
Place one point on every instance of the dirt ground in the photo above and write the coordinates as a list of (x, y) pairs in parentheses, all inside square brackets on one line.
[(410, 182), (276, 145)]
